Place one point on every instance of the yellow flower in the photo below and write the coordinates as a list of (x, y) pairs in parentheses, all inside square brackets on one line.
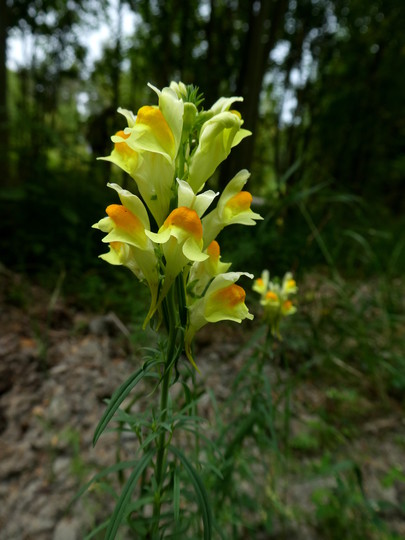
[(289, 286), (261, 284), (271, 299), (287, 308), (152, 133), (275, 299), (218, 136), (233, 207), (223, 300), (147, 150), (126, 227), (122, 254), (201, 273), (181, 236), (172, 108)]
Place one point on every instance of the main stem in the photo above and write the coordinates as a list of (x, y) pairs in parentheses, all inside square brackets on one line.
[(161, 444)]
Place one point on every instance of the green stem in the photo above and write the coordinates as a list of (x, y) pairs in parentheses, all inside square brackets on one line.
[(161, 444)]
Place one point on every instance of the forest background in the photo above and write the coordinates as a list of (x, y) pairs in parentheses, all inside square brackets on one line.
[(323, 83)]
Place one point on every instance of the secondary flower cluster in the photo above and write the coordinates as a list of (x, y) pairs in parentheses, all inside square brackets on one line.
[(275, 298), (167, 235)]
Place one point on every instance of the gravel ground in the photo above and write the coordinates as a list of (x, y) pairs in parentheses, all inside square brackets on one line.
[(57, 365)]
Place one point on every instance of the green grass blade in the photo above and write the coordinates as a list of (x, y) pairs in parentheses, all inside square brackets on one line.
[(122, 503), (119, 395), (199, 491)]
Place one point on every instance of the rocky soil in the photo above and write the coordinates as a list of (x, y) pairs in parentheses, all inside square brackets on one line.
[(57, 365)]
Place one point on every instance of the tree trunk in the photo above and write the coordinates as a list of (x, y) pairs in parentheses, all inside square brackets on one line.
[(265, 25)]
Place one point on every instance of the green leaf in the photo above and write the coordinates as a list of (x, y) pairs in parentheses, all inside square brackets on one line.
[(119, 395), (122, 504), (199, 491)]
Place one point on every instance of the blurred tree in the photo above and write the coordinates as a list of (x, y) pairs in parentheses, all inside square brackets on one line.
[(57, 56), (4, 127), (265, 23), (348, 123)]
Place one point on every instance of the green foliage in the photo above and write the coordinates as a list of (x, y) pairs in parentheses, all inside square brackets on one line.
[(344, 512)]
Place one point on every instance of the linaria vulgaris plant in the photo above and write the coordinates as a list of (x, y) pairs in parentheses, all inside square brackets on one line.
[(276, 299), (166, 236)]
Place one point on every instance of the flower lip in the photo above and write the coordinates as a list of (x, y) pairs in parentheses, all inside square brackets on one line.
[(122, 147), (186, 219), (239, 202), (116, 245), (213, 250), (124, 218), (230, 296), (122, 134), (153, 118)]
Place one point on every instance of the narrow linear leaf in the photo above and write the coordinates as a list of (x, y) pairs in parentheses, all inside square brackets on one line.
[(119, 395), (122, 503), (199, 491), (105, 472)]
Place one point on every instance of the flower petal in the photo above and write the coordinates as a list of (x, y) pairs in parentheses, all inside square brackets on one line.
[(129, 115), (187, 197), (172, 108), (224, 104), (216, 139)]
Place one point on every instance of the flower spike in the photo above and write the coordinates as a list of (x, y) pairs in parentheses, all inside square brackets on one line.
[(275, 299), (170, 150)]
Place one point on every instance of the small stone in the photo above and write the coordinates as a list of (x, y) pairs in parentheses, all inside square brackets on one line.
[(67, 529), (59, 410), (61, 466), (15, 460), (38, 525)]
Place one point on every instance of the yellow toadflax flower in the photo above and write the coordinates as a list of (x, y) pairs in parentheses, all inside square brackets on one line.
[(147, 150), (126, 227), (223, 300), (275, 299), (181, 237), (288, 287), (218, 136), (201, 273), (233, 208), (261, 284)]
